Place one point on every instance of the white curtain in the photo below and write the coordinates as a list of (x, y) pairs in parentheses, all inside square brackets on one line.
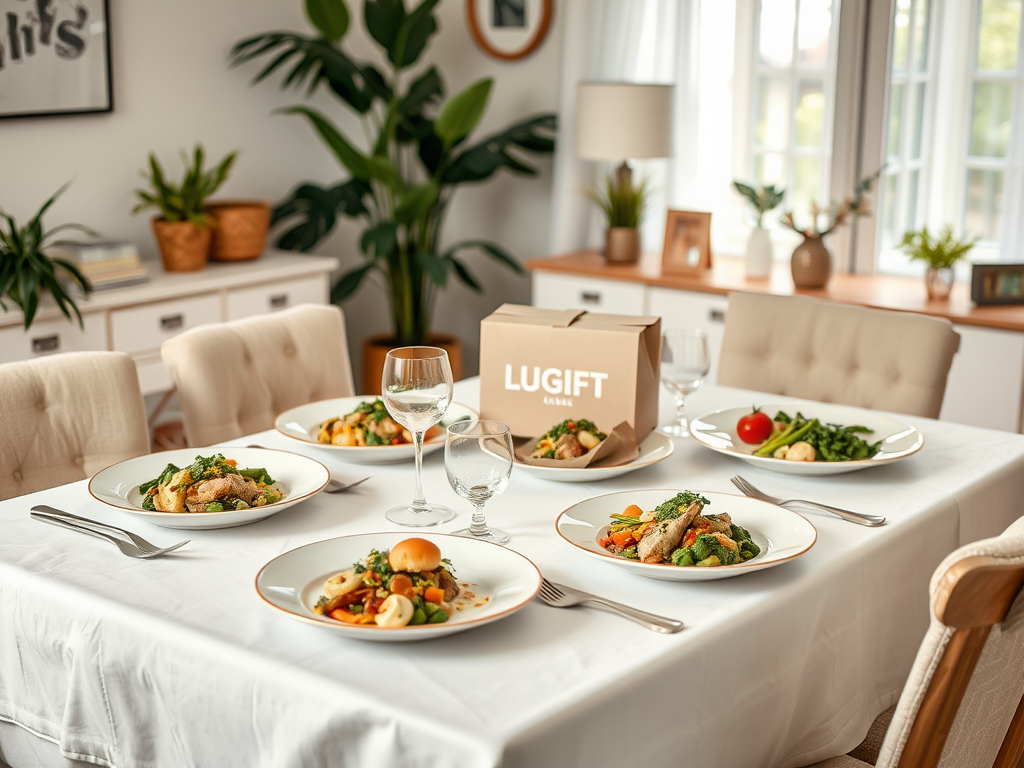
[(688, 43)]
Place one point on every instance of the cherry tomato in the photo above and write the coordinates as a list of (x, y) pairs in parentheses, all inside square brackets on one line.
[(754, 427)]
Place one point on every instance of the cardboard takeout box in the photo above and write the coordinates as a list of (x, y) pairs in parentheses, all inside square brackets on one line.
[(539, 367)]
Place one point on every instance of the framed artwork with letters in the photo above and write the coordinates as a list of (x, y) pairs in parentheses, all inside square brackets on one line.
[(687, 243), (54, 58)]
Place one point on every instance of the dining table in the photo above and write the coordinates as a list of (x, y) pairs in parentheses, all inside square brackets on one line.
[(176, 661)]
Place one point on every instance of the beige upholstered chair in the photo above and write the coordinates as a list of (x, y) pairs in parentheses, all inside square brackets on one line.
[(837, 353), (65, 417), (234, 378), (962, 706)]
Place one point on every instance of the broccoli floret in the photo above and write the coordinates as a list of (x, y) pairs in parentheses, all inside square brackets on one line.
[(214, 506), (675, 506), (738, 533), (165, 477), (683, 557), (748, 550), (707, 546), (258, 474), (630, 553)]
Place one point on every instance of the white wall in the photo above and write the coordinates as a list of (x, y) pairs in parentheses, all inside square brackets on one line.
[(172, 87)]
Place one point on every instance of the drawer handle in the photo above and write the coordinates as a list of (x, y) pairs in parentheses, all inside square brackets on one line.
[(716, 315), (172, 322), (46, 344), (589, 297), (280, 301)]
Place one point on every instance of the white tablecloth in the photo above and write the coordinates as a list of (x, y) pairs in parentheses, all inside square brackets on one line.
[(176, 662)]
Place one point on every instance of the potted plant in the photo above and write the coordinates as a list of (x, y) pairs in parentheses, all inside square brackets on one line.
[(623, 204), (940, 253), (239, 229), (812, 263), (759, 257), (183, 228), (27, 273), (401, 184)]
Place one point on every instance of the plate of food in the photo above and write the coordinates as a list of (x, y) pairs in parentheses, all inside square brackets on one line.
[(359, 429), (390, 587), (807, 438), (201, 489), (572, 439), (680, 535)]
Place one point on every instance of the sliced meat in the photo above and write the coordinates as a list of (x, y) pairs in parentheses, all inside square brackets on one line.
[(386, 427), (447, 582), (720, 523), (229, 486), (568, 447), (659, 543)]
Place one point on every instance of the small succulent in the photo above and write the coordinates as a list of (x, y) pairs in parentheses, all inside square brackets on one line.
[(185, 201), (623, 203)]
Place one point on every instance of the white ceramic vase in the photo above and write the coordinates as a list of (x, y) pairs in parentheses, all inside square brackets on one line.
[(759, 254)]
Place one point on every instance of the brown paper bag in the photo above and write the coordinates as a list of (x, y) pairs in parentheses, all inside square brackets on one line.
[(620, 447)]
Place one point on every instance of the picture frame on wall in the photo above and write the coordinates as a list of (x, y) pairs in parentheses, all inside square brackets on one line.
[(55, 58), (993, 284), (687, 248), (509, 29)]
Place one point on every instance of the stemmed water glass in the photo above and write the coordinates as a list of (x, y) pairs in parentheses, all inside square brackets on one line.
[(478, 459), (685, 361), (416, 388)]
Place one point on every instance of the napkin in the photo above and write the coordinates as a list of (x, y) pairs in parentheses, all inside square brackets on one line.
[(620, 447)]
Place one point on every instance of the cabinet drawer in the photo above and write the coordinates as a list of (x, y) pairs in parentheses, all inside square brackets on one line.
[(261, 299), (691, 309), (592, 294), (142, 329), (51, 336)]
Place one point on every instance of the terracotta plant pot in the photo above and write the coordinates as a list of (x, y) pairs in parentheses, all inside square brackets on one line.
[(375, 352), (239, 229), (184, 247), (811, 264), (622, 245)]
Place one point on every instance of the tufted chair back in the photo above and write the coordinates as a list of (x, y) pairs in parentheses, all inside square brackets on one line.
[(836, 353), (64, 418), (234, 378)]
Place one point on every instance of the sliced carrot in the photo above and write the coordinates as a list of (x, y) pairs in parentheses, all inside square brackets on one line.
[(340, 614), (433, 595), (401, 584), (603, 543), (632, 511), (232, 462), (623, 539)]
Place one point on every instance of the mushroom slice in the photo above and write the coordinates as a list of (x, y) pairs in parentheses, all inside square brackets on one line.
[(395, 611)]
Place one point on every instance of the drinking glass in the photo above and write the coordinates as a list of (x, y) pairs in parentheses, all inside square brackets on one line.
[(416, 388), (685, 361), (478, 459)]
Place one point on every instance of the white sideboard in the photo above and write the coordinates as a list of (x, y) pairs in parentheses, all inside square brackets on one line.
[(985, 383), (138, 320)]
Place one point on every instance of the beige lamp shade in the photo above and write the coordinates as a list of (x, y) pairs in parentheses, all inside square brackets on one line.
[(623, 121)]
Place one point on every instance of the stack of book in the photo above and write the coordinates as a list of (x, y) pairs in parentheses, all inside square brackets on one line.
[(107, 265)]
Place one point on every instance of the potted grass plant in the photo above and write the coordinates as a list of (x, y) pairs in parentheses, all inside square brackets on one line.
[(940, 252), (623, 203), (184, 228), (759, 246), (27, 274), (400, 182)]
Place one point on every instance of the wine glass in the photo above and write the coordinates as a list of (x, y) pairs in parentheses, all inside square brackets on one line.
[(478, 460), (416, 388), (685, 361)]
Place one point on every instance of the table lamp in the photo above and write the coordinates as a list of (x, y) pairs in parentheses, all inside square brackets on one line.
[(622, 122)]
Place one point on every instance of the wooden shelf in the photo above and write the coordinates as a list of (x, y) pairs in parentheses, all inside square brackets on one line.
[(903, 294)]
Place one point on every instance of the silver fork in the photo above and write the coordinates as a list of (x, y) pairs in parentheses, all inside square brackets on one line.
[(126, 547), (333, 486), (560, 596), (137, 540), (854, 517)]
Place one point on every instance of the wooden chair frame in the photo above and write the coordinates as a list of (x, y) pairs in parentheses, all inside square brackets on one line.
[(973, 596)]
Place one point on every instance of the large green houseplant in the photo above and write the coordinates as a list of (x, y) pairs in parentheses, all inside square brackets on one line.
[(419, 152)]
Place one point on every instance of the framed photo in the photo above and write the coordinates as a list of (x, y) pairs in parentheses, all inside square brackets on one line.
[(687, 243), (54, 58), (509, 29), (997, 284)]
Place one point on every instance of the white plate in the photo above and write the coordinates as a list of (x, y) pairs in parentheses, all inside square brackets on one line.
[(781, 534), (293, 582), (717, 431), (303, 423), (118, 485), (653, 448)]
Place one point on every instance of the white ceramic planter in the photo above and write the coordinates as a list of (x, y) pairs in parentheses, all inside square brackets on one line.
[(759, 254)]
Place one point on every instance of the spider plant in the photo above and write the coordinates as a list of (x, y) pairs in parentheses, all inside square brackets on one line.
[(184, 201), (623, 203), (26, 272)]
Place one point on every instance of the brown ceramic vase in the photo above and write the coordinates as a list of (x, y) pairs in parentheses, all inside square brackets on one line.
[(622, 245), (375, 353), (811, 264)]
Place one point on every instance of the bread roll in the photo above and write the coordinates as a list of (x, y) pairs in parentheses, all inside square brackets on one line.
[(414, 555)]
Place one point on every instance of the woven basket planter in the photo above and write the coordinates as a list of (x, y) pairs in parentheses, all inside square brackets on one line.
[(239, 229), (184, 247)]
